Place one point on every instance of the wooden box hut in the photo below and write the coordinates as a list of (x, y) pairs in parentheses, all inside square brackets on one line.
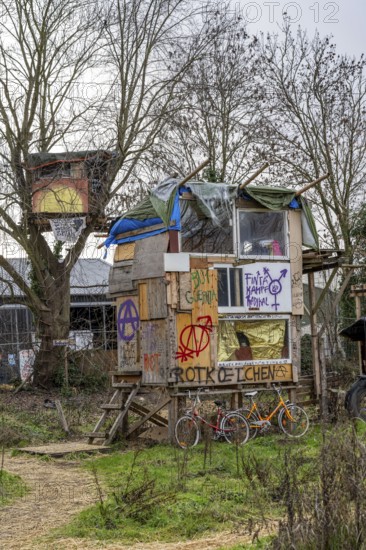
[(208, 285)]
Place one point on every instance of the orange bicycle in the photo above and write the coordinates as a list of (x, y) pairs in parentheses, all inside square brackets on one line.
[(292, 419)]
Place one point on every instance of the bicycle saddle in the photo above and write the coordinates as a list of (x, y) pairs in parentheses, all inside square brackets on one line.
[(251, 394), (219, 403)]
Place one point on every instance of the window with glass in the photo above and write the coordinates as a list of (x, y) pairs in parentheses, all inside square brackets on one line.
[(230, 287), (262, 234), (203, 234)]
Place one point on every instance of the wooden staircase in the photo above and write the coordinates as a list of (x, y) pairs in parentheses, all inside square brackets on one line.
[(126, 387)]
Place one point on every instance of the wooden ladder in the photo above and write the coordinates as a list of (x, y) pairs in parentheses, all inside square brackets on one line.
[(118, 403), (126, 386)]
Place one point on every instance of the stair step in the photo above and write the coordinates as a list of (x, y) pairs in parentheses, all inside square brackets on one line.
[(97, 435), (125, 373), (123, 385), (112, 406)]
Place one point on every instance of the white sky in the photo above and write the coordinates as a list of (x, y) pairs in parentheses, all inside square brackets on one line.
[(346, 21)]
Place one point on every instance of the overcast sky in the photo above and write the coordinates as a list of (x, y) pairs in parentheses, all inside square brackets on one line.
[(346, 21)]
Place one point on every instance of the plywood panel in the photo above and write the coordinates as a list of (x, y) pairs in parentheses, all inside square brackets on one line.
[(149, 257), (120, 279), (193, 342), (199, 263), (185, 291), (128, 326), (124, 251), (296, 262), (157, 298), (204, 296), (154, 351), (143, 302)]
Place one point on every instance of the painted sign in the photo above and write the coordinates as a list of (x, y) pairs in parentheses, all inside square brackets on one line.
[(225, 374), (267, 287), (26, 361), (67, 229)]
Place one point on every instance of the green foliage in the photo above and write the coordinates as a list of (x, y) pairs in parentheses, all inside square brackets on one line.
[(185, 493), (91, 380), (306, 355)]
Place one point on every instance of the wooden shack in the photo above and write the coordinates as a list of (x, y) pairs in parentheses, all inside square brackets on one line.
[(208, 285)]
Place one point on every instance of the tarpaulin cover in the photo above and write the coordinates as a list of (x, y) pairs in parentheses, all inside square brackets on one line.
[(214, 201)]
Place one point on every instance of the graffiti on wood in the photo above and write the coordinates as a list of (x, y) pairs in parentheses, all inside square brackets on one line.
[(154, 351), (128, 320), (248, 374), (194, 339)]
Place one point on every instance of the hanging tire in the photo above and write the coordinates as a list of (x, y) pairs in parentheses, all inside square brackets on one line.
[(294, 421), (186, 431), (355, 400), (235, 428)]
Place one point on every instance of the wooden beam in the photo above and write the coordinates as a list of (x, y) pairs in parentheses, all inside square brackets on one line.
[(325, 290), (314, 335), (311, 184), (255, 175), (195, 171), (140, 422)]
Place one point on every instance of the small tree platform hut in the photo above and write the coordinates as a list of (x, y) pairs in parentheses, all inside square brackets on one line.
[(208, 284)]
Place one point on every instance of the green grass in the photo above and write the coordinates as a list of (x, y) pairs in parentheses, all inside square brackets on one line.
[(186, 494), (11, 488)]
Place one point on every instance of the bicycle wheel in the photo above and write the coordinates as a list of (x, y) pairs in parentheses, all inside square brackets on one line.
[(186, 432), (251, 418), (235, 428), (294, 421)]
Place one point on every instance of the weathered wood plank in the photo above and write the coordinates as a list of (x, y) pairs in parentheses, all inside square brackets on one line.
[(149, 257)]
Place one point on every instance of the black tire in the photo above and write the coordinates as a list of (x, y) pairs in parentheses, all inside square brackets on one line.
[(297, 425), (235, 428), (186, 431), (355, 401), (251, 417)]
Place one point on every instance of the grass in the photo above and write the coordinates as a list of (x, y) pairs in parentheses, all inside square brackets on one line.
[(181, 495), (11, 488)]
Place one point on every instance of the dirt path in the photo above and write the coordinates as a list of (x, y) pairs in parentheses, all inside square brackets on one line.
[(59, 490)]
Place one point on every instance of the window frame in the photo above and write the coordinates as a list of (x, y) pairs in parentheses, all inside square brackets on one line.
[(253, 317), (261, 257)]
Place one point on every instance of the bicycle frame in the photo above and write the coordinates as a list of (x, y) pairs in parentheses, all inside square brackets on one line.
[(281, 405), (220, 415)]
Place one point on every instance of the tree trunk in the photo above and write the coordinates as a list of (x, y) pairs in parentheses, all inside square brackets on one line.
[(53, 324)]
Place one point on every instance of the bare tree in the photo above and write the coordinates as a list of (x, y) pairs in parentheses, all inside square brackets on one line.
[(137, 51), (218, 116), (314, 106)]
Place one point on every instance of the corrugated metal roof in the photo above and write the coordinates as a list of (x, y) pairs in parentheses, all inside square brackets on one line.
[(88, 277)]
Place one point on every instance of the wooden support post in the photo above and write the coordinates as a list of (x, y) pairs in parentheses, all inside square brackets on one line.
[(314, 336), (173, 415), (62, 416), (292, 395), (324, 412), (358, 315)]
